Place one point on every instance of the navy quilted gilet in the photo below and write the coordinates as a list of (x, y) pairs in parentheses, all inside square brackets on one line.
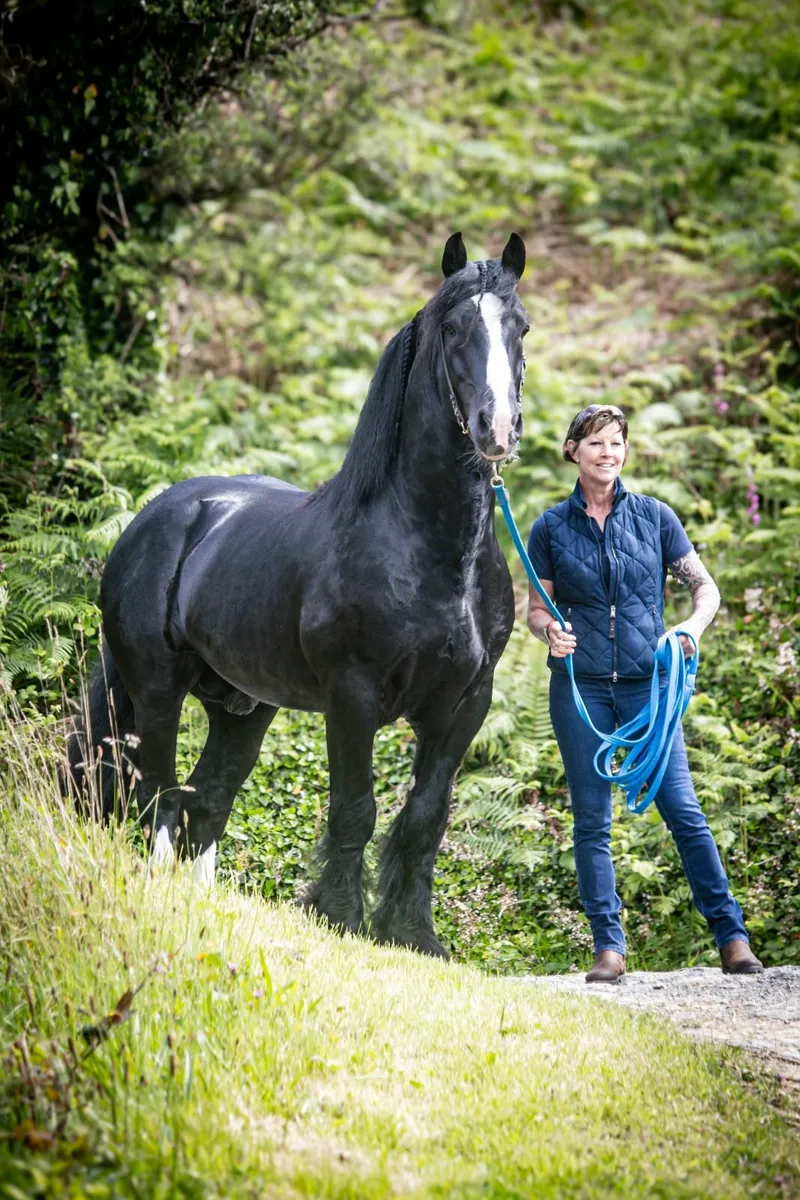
[(617, 624)]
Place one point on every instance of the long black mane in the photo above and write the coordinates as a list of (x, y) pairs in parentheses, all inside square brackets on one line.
[(373, 448), (374, 445)]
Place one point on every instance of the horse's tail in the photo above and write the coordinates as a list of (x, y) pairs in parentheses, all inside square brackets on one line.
[(101, 749)]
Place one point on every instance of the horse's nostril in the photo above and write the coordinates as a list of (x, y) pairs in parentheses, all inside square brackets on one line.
[(484, 421), (518, 425)]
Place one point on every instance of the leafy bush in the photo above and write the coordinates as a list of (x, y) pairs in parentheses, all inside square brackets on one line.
[(92, 187)]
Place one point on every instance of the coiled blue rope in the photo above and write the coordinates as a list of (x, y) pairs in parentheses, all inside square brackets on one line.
[(657, 723)]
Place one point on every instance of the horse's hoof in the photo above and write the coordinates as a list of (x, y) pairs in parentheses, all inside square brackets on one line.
[(204, 866), (163, 853), (424, 941), (311, 902), (429, 944)]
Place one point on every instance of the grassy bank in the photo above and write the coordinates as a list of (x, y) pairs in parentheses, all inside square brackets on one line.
[(263, 1056)]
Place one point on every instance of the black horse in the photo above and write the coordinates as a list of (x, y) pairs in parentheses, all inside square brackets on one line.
[(383, 593)]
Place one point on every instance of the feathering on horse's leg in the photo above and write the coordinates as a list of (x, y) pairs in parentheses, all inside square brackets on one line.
[(403, 915), (228, 757), (351, 721)]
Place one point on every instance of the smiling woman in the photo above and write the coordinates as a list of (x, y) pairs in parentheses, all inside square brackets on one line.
[(602, 556), (597, 440)]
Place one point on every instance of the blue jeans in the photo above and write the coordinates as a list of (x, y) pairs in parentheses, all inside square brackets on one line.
[(611, 705)]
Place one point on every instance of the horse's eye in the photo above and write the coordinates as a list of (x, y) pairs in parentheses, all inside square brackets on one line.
[(448, 328), (527, 329)]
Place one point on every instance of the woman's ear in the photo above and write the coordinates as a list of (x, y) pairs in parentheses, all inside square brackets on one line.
[(627, 450), (571, 448)]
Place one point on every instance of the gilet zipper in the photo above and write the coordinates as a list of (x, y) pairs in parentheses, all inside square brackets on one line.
[(613, 612), (612, 608)]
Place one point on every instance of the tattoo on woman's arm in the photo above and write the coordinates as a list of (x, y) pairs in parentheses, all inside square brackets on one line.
[(690, 571)]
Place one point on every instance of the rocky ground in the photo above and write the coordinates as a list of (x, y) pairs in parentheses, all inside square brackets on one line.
[(760, 1013)]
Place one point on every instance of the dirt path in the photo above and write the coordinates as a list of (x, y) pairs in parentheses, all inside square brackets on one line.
[(760, 1013)]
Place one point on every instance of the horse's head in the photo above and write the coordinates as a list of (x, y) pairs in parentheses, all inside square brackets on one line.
[(481, 327)]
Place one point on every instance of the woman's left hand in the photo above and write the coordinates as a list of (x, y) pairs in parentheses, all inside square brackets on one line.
[(686, 644)]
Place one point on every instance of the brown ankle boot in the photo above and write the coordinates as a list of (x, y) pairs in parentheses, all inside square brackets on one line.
[(738, 959), (609, 967)]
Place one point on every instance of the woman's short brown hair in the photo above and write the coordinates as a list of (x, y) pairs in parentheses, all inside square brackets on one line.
[(589, 420)]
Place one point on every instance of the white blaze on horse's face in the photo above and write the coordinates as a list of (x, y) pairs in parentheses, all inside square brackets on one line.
[(498, 368)]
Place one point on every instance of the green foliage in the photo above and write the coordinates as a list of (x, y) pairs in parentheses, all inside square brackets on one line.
[(91, 90), (92, 185), (54, 549), (652, 166)]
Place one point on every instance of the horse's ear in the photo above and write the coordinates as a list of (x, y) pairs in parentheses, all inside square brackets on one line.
[(455, 255), (514, 255)]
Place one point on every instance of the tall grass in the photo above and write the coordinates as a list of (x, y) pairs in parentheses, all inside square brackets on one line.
[(159, 1040)]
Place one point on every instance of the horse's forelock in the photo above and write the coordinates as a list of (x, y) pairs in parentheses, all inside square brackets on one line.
[(480, 277)]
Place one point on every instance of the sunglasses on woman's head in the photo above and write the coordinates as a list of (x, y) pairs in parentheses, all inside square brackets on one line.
[(595, 408)]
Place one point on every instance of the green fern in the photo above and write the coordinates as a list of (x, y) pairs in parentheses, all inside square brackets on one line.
[(497, 817), (51, 570)]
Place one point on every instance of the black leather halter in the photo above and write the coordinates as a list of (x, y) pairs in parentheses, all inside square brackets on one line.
[(457, 413), (462, 425)]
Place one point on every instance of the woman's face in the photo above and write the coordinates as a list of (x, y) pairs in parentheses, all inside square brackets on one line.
[(600, 455)]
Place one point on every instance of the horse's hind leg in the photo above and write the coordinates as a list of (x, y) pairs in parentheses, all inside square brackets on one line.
[(228, 757), (157, 794), (403, 915), (350, 723)]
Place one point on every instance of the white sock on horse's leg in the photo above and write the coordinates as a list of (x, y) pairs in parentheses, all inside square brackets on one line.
[(204, 866), (162, 850)]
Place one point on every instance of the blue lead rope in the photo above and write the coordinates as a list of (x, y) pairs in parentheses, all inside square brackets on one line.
[(657, 723)]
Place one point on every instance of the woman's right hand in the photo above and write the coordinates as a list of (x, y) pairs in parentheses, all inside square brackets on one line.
[(562, 641)]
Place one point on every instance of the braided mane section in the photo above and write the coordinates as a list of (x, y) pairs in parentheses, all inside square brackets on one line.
[(409, 351)]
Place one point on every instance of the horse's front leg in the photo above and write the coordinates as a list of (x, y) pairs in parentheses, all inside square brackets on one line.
[(403, 915), (351, 720)]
